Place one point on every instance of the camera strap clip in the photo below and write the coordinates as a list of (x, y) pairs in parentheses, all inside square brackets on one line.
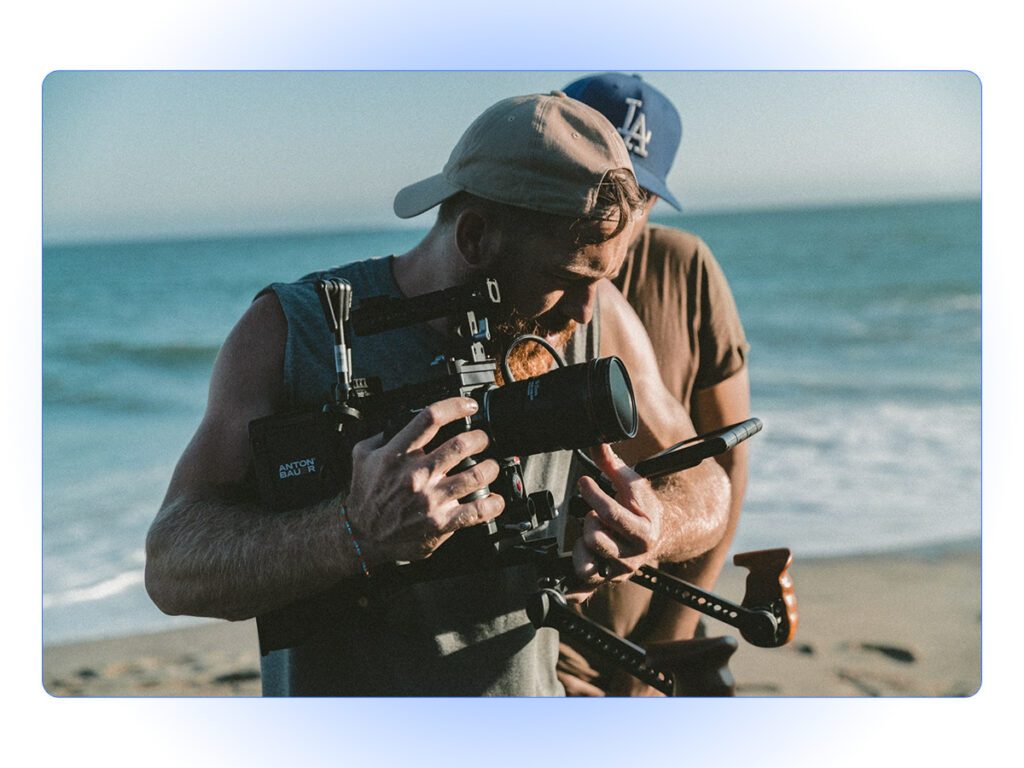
[(336, 300)]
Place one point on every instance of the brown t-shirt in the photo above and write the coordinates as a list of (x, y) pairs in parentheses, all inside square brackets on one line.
[(674, 284)]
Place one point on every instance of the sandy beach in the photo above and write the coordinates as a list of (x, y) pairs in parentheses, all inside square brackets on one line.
[(901, 624)]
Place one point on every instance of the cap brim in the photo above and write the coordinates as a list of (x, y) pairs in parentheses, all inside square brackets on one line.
[(649, 181), (422, 196)]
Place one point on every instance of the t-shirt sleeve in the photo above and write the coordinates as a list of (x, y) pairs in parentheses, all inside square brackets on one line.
[(723, 344)]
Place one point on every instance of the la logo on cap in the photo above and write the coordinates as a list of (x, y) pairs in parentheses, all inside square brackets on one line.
[(634, 128)]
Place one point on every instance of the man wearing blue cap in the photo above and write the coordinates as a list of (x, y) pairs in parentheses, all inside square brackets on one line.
[(672, 280)]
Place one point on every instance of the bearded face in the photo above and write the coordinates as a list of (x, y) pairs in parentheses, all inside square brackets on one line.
[(548, 278), (530, 359)]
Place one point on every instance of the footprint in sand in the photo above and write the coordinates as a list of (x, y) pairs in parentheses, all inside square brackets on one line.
[(895, 652)]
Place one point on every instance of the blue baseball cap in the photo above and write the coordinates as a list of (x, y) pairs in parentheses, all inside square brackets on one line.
[(645, 119)]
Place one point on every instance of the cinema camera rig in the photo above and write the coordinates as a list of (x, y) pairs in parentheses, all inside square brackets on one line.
[(303, 457)]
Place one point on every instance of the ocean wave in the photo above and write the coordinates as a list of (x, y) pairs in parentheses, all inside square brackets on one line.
[(889, 427), (882, 332), (120, 401), (100, 591), (926, 312), (173, 355), (849, 387), (864, 477)]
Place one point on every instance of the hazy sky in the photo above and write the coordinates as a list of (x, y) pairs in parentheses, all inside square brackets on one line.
[(140, 154)]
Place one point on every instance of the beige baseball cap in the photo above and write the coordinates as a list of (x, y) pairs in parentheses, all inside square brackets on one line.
[(544, 152)]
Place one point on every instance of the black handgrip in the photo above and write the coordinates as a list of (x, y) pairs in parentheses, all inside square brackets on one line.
[(383, 313), (690, 453)]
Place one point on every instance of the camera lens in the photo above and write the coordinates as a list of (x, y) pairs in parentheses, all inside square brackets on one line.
[(615, 399), (573, 407)]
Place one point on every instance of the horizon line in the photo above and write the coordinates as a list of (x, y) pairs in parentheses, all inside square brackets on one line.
[(284, 231)]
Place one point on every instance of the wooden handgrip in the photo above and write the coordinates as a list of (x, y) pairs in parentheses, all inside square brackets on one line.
[(770, 585)]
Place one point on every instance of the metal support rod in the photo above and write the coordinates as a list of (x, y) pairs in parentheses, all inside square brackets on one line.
[(548, 608), (758, 626)]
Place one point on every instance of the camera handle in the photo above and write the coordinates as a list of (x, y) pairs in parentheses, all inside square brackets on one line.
[(766, 618), (768, 615)]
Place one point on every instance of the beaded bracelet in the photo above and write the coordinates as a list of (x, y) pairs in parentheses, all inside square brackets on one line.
[(355, 542)]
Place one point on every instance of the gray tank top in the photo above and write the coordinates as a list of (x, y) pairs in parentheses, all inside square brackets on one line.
[(463, 636)]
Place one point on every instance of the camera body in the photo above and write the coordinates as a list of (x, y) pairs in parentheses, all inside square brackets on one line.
[(302, 458)]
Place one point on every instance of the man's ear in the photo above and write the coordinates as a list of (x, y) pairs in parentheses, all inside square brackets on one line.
[(471, 237)]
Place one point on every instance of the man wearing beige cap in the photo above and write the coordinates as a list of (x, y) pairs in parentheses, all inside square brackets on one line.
[(539, 194)]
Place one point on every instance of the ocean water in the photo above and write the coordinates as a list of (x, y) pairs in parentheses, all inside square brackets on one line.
[(865, 333)]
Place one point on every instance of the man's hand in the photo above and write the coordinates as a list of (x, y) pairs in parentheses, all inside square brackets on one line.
[(402, 504), (575, 673), (620, 534)]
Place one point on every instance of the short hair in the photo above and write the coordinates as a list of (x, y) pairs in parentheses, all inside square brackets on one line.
[(619, 199)]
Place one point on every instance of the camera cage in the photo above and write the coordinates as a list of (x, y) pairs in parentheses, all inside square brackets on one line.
[(301, 458), (304, 457)]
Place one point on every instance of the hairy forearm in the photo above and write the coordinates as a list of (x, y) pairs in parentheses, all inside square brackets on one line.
[(675, 621), (237, 560), (695, 511), (704, 570)]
